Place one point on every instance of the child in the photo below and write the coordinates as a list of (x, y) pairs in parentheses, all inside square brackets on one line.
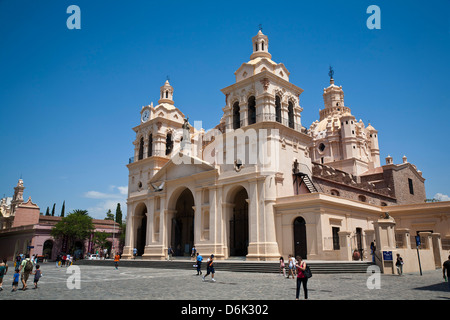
[(37, 276), (15, 283), (282, 267)]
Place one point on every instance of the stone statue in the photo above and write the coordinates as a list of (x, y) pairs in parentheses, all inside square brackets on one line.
[(186, 139)]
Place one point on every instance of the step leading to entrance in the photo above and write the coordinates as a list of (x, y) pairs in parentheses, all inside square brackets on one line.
[(317, 267)]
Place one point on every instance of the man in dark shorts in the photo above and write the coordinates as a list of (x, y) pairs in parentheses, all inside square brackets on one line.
[(26, 267), (210, 268), (446, 266)]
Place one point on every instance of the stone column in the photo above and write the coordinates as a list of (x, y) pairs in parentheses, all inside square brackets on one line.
[(253, 221), (149, 229), (262, 237), (129, 235), (243, 110), (345, 246), (437, 249), (385, 238)]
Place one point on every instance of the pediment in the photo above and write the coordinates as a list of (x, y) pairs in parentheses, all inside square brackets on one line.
[(180, 167)]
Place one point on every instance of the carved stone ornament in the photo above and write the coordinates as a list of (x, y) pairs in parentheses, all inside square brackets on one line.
[(265, 82)]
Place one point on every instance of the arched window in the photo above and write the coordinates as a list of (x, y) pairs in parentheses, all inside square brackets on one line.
[(251, 110), (141, 149), (291, 114), (262, 46), (169, 144), (256, 46), (167, 94), (278, 109), (236, 116), (150, 145)]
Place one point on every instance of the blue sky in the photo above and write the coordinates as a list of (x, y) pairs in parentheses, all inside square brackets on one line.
[(69, 98)]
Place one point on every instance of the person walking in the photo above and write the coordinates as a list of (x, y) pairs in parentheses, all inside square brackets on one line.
[(26, 267), (16, 277), (282, 267), (193, 253), (446, 267), (37, 276), (399, 264), (170, 253), (19, 260), (210, 268), (291, 266), (116, 261), (134, 253), (199, 264), (372, 250), (3, 271), (301, 278)]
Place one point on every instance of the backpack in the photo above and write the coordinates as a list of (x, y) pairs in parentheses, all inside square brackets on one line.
[(28, 266)]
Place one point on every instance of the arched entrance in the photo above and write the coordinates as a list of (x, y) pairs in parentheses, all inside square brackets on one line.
[(182, 236), (300, 237), (141, 228), (239, 224), (78, 249), (47, 249)]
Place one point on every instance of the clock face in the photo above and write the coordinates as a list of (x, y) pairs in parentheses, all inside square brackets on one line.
[(145, 115)]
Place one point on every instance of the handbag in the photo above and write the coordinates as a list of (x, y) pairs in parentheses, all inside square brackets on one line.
[(307, 272)]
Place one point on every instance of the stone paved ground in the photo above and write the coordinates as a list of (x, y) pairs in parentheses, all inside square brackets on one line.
[(131, 283)]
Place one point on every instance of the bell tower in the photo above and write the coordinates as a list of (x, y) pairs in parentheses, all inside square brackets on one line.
[(260, 46), (18, 196), (166, 93)]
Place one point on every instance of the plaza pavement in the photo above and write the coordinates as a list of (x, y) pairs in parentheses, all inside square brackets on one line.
[(134, 283)]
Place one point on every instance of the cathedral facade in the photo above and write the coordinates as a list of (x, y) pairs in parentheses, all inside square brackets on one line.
[(261, 185)]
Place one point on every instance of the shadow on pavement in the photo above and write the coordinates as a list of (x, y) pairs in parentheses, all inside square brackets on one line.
[(442, 286)]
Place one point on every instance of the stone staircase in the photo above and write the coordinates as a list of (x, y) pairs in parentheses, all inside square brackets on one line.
[(317, 267)]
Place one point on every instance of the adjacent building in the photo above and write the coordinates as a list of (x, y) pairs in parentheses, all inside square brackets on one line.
[(23, 229)]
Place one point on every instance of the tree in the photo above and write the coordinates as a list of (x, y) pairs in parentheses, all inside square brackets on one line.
[(109, 215), (100, 239), (119, 214), (47, 213), (77, 226), (53, 210), (63, 208)]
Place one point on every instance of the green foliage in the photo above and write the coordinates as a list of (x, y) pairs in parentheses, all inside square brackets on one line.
[(100, 239), (77, 226), (118, 214), (63, 208), (109, 215)]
